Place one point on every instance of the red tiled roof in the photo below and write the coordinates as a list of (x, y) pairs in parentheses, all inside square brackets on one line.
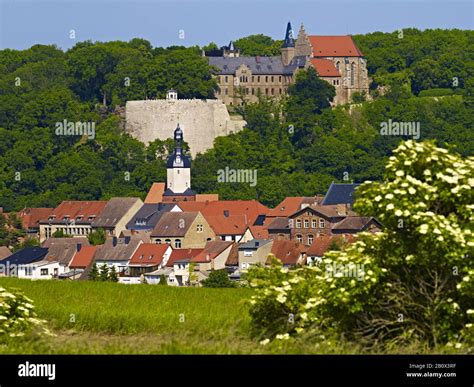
[(155, 194), (259, 232), (330, 46), (325, 67), (211, 251), (73, 209), (83, 257), (288, 252), (321, 244), (30, 217), (149, 254), (179, 254), (232, 225), (289, 206)]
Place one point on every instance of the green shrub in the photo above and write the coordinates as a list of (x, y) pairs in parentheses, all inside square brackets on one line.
[(218, 279), (17, 315)]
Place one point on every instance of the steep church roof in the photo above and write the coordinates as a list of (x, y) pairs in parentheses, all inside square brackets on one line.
[(178, 159), (331, 46), (289, 39)]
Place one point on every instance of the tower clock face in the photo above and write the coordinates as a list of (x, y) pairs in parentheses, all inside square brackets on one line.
[(178, 159)]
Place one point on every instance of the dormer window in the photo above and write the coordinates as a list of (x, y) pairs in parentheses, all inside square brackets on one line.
[(91, 218), (52, 217), (79, 218), (141, 256), (150, 257)]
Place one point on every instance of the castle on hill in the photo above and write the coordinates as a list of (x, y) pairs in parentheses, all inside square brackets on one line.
[(336, 59)]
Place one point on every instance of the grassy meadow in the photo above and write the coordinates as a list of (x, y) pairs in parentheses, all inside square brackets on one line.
[(97, 317)]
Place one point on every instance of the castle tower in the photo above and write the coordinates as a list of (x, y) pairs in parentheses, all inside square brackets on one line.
[(230, 51), (288, 47), (178, 172)]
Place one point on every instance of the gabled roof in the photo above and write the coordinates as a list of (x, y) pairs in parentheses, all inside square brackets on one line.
[(63, 250), (340, 194), (355, 223), (155, 194), (212, 250), (75, 209), (331, 46), (83, 257), (149, 254), (174, 224), (114, 211), (26, 256), (118, 249), (178, 255), (288, 252), (4, 252), (30, 217), (325, 67), (290, 205)]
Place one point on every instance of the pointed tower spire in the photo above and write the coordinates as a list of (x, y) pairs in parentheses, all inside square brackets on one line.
[(289, 39)]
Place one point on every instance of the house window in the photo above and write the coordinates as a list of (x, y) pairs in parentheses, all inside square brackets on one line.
[(253, 91), (158, 241), (44, 271), (266, 91), (168, 241), (226, 91), (306, 223), (313, 223), (272, 78), (177, 243), (352, 73), (279, 78), (337, 65), (310, 239), (321, 223), (299, 238), (273, 91), (258, 78), (199, 228), (248, 253), (226, 79), (266, 79), (298, 223)]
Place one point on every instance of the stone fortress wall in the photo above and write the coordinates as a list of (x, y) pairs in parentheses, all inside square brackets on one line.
[(201, 121)]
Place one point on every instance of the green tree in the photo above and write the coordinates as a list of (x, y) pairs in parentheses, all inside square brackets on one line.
[(113, 276), (103, 273), (59, 233)]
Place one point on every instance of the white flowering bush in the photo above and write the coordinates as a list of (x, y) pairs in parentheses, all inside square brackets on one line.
[(17, 315), (418, 273)]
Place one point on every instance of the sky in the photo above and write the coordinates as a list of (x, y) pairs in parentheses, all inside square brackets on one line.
[(24, 23)]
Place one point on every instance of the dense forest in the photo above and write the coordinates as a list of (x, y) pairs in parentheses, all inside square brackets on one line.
[(298, 146)]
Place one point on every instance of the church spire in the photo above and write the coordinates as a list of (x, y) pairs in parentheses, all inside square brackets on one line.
[(289, 39)]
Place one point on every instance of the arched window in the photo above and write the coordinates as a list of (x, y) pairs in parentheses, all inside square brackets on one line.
[(299, 238), (306, 223), (352, 73), (158, 241), (168, 241), (177, 243), (310, 239), (298, 223), (337, 65)]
